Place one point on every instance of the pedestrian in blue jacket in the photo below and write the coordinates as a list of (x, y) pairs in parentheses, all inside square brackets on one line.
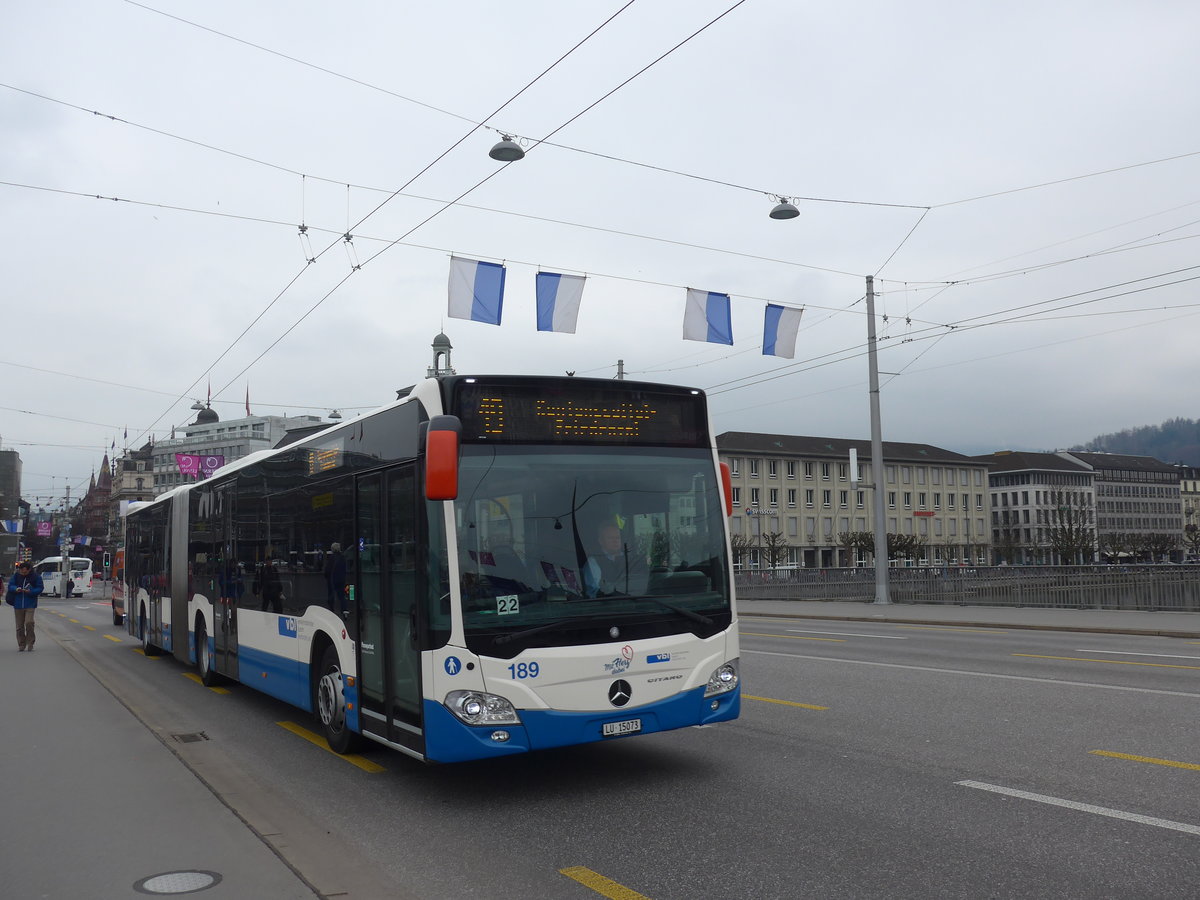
[(24, 588)]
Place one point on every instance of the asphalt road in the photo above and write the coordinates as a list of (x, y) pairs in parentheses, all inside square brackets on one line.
[(871, 760)]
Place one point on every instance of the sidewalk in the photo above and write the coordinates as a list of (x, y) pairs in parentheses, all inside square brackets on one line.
[(1171, 624), (94, 804)]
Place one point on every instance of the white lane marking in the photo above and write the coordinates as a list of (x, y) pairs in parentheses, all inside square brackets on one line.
[(1084, 807), (1131, 653), (882, 665), (882, 637)]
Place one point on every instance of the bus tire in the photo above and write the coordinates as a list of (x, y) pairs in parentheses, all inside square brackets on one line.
[(204, 660), (330, 705), (148, 649)]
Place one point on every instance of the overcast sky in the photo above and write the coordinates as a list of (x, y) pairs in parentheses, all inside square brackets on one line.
[(1022, 179)]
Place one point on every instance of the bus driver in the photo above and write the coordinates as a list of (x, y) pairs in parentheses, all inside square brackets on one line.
[(614, 570)]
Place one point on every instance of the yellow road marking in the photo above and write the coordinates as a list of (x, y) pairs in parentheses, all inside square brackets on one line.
[(196, 678), (353, 758), (90, 627), (111, 638), (792, 637), (1111, 662), (73, 621), (949, 628), (1147, 759), (783, 702), (605, 887), (142, 651)]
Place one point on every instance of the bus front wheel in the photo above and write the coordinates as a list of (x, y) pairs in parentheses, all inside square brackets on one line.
[(148, 648), (330, 704)]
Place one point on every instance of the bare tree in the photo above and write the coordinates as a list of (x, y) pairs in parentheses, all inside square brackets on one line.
[(1116, 544), (1072, 530), (1191, 534), (1160, 546), (774, 549), (740, 545), (1008, 540)]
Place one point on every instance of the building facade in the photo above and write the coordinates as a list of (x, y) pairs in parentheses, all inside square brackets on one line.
[(1139, 507), (804, 496), (1189, 495), (209, 436), (1043, 509)]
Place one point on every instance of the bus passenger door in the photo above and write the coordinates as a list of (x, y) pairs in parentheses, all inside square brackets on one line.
[(231, 583), (386, 596)]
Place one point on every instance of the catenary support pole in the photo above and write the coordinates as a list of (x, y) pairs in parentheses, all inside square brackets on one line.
[(877, 472)]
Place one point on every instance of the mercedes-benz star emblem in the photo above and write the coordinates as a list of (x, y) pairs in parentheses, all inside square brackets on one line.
[(619, 693)]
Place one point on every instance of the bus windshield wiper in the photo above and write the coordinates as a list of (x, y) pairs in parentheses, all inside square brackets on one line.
[(682, 610), (528, 632)]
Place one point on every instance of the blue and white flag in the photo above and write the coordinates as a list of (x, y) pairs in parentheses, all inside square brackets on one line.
[(12, 526), (558, 299), (779, 330), (707, 318), (476, 290)]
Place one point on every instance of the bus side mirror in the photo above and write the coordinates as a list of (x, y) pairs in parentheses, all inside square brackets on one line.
[(727, 488), (441, 458)]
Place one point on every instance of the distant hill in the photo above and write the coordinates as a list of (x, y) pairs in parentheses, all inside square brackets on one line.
[(1174, 441)]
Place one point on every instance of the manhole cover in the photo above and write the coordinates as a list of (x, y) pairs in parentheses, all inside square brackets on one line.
[(190, 738), (177, 882)]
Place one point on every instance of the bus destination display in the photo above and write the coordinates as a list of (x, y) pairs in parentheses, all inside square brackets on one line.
[(515, 413)]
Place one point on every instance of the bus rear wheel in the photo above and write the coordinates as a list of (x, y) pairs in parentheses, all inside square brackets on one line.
[(204, 660), (330, 705)]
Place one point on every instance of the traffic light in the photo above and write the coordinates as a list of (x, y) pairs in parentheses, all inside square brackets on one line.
[(107, 560)]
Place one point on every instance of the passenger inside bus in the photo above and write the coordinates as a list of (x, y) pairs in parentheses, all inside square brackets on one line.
[(502, 565), (268, 585)]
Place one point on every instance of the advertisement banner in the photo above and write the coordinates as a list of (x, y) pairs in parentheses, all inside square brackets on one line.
[(198, 466)]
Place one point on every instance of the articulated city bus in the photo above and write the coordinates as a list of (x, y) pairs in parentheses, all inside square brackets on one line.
[(489, 565)]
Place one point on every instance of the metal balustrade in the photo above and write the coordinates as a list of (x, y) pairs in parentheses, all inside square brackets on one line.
[(1158, 587)]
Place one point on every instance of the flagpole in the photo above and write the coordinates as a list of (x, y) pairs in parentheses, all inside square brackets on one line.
[(881, 548)]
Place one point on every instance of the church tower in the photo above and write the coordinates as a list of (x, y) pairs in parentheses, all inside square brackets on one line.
[(441, 357)]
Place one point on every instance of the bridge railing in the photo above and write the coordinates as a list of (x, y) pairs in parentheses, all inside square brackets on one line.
[(1162, 587)]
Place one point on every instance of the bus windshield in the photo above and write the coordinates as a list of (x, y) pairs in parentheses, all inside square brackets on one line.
[(578, 545)]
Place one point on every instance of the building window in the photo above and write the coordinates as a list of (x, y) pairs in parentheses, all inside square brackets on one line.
[(772, 468), (754, 468), (791, 497), (891, 498), (791, 469), (808, 498), (826, 498), (737, 496), (774, 495), (860, 499), (754, 497), (824, 471), (843, 499), (735, 466)]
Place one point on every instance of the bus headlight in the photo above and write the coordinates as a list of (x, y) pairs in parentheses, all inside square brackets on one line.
[(478, 708), (723, 679)]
